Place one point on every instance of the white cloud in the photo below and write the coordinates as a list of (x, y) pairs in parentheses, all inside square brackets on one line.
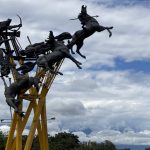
[(4, 129), (117, 137), (113, 104)]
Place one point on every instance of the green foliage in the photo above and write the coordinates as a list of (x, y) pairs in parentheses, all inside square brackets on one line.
[(124, 149), (68, 141), (147, 148), (64, 141), (2, 141), (107, 145)]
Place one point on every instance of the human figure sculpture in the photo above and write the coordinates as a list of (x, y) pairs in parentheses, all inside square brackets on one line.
[(14, 89), (59, 52), (89, 26)]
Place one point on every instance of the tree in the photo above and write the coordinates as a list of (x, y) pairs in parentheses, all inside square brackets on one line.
[(2, 141), (64, 141), (106, 145), (109, 145)]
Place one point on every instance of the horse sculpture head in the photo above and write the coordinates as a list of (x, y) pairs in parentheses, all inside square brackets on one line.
[(83, 15), (83, 9)]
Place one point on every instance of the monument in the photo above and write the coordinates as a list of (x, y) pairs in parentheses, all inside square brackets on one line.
[(44, 60)]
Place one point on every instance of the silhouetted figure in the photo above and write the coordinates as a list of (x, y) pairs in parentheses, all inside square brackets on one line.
[(34, 50), (26, 67), (90, 25), (59, 52), (3, 41), (63, 36), (4, 64), (5, 25), (14, 89)]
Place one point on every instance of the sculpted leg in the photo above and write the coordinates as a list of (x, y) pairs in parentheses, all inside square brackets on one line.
[(51, 68), (102, 28), (108, 29), (75, 61), (11, 103), (14, 103), (71, 47), (79, 45)]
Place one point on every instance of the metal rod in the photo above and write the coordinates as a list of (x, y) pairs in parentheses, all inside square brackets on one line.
[(29, 39), (90, 16)]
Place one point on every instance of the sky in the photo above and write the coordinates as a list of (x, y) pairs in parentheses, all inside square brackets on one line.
[(109, 98)]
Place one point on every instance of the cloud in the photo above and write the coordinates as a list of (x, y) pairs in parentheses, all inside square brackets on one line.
[(4, 129), (117, 137), (114, 104), (66, 107)]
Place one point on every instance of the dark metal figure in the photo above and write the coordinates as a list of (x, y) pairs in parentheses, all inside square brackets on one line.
[(90, 25), (59, 52), (10, 30), (4, 64), (63, 36), (34, 50), (37, 49), (5, 25), (26, 67), (3, 41), (14, 89)]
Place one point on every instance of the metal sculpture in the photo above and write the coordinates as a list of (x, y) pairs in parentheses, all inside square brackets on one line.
[(59, 52), (33, 50), (4, 64), (15, 89), (26, 67), (63, 36), (89, 26), (46, 57), (5, 26)]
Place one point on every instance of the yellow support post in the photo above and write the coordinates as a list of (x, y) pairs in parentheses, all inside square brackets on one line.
[(37, 103), (44, 128), (34, 124), (11, 133), (18, 131)]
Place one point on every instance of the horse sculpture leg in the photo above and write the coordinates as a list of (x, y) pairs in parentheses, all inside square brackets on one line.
[(11, 104), (102, 28), (71, 47), (108, 29), (14, 103), (72, 52), (71, 44), (79, 45), (51, 70), (74, 60)]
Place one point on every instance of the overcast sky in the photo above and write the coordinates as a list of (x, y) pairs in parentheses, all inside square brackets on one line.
[(110, 97)]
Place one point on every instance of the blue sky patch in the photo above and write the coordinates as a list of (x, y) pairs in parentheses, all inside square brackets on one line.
[(121, 65), (113, 3)]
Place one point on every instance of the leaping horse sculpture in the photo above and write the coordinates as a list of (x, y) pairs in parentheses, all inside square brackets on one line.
[(89, 26)]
